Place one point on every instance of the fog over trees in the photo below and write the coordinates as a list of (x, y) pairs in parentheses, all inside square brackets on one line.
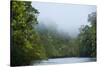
[(65, 17), (34, 39)]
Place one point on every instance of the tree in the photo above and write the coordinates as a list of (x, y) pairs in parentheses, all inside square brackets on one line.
[(25, 46), (87, 37)]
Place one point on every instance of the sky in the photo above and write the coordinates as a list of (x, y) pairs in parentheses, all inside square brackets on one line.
[(67, 17)]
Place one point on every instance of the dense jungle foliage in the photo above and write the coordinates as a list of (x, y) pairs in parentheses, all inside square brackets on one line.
[(31, 41)]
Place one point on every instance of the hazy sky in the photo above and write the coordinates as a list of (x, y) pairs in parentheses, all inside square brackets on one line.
[(67, 17)]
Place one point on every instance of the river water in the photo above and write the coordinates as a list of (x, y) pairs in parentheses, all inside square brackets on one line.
[(64, 61)]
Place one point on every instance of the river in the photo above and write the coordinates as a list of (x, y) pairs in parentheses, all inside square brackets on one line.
[(64, 61)]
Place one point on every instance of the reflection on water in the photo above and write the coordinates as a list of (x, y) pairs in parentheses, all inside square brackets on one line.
[(63, 61)]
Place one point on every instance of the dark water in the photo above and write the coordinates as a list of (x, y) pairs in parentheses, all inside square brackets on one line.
[(64, 61)]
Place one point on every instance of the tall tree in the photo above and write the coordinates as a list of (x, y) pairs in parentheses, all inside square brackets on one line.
[(87, 37), (25, 46)]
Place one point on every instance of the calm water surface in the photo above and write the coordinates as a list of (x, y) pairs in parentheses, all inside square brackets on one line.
[(63, 61)]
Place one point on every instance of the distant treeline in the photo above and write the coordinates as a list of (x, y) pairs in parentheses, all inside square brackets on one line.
[(30, 42)]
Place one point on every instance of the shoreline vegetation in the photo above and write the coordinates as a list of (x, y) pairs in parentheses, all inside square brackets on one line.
[(31, 40)]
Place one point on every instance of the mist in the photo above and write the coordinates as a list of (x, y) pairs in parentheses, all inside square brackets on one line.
[(65, 18)]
